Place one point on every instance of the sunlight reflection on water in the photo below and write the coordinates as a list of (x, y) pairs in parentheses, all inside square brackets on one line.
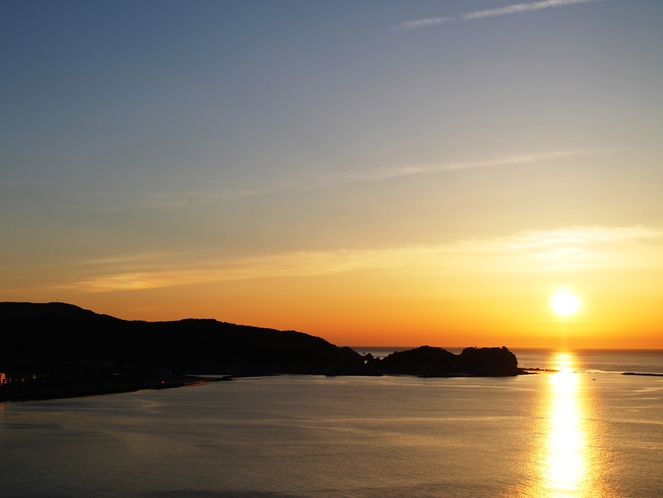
[(566, 460), (569, 467)]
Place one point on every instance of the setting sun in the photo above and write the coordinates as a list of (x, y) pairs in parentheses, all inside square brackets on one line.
[(564, 303)]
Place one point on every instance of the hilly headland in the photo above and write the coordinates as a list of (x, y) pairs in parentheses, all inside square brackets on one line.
[(57, 350)]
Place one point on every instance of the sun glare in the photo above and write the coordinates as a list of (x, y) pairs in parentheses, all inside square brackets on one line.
[(564, 303)]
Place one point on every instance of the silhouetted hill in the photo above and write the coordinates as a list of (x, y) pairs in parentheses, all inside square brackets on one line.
[(44, 333)]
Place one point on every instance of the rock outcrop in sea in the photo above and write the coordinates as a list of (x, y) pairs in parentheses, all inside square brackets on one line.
[(429, 361)]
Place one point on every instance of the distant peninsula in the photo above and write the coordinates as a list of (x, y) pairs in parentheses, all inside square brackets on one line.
[(57, 350)]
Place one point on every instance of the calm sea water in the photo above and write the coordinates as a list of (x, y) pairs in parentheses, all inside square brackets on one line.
[(585, 431)]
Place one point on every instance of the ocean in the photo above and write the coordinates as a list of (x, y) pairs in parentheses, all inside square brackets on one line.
[(584, 430)]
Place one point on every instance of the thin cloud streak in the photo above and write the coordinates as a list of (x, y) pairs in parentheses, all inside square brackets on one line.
[(318, 181), (423, 23), (121, 201), (520, 7), (500, 161), (321, 181), (574, 248), (481, 14)]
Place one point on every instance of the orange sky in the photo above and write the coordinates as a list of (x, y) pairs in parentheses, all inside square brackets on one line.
[(478, 292)]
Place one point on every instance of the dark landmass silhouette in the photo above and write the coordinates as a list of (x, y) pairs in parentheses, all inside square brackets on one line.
[(56, 350)]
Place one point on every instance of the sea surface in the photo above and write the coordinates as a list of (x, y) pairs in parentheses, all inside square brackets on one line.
[(582, 431)]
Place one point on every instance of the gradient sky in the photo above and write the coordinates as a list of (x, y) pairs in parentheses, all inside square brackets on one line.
[(383, 173)]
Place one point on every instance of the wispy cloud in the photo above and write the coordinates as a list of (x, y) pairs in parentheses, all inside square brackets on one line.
[(520, 7), (422, 23), (301, 182), (307, 182), (501, 11), (463, 165), (581, 247), (568, 249)]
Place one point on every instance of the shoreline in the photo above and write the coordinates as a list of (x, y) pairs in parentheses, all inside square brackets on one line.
[(193, 381), (99, 390)]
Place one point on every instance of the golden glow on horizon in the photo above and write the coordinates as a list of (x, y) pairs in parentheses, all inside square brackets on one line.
[(564, 303)]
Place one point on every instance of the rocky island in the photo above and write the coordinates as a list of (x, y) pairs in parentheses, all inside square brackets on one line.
[(59, 350)]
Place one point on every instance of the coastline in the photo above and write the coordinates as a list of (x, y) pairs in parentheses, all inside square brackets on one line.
[(108, 388), (87, 390), (194, 380)]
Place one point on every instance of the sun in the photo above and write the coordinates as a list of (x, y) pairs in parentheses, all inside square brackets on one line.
[(564, 303)]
